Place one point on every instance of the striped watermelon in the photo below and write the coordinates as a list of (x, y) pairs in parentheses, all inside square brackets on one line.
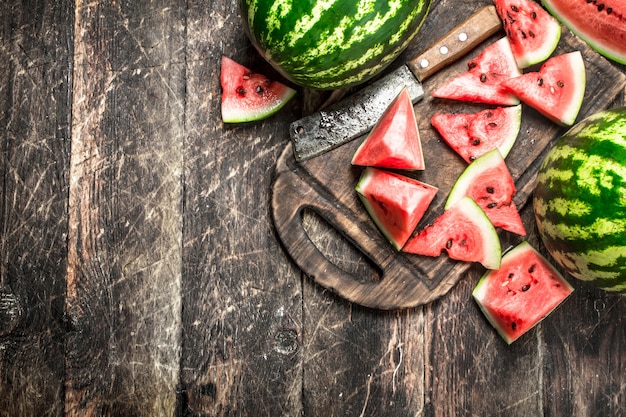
[(580, 200), (329, 44)]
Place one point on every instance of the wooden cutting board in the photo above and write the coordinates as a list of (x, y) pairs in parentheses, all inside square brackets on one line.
[(325, 185)]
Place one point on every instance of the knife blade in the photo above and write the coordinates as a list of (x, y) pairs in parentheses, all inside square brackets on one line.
[(348, 119)]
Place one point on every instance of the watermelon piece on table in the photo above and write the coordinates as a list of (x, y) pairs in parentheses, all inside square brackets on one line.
[(394, 142), (556, 90), (481, 83), (395, 202), (473, 134), (464, 232), (532, 32), (521, 293), (488, 181), (248, 96)]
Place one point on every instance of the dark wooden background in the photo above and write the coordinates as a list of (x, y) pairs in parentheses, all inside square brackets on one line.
[(140, 274)]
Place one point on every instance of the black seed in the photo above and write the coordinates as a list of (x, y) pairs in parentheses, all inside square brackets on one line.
[(511, 275), (489, 114), (540, 81), (600, 7), (472, 158), (560, 83), (241, 91), (609, 10), (533, 15), (514, 8), (526, 287), (449, 244), (476, 142), (490, 190), (259, 89), (483, 77), (531, 34), (471, 65), (523, 35), (513, 325), (492, 124), (532, 268), (491, 205)]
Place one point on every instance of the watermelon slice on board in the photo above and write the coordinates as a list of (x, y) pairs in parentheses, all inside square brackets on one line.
[(481, 83), (488, 181), (394, 142), (248, 96), (395, 202), (473, 134), (556, 90), (532, 32), (521, 293), (464, 232)]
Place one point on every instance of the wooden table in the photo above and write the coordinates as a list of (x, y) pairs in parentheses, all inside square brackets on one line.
[(141, 274)]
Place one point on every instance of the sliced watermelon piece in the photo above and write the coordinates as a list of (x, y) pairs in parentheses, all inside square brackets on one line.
[(394, 142), (488, 181), (248, 96), (473, 134), (533, 33), (481, 82), (464, 232), (556, 90), (521, 293), (395, 202)]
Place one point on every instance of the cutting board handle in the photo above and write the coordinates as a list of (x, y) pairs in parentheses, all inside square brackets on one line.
[(292, 193)]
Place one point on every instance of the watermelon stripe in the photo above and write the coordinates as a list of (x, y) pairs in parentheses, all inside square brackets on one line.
[(332, 43)]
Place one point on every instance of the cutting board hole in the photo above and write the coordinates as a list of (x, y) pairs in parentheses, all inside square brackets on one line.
[(338, 249)]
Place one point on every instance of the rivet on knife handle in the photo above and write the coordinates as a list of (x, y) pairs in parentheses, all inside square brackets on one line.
[(348, 119)]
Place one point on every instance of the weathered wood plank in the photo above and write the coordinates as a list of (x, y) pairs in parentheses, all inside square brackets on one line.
[(35, 57), (242, 318), (125, 203)]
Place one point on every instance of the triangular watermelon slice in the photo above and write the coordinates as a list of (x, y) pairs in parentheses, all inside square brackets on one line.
[(395, 202), (532, 32), (473, 134), (488, 181), (248, 96), (481, 82), (556, 90), (464, 232), (394, 142)]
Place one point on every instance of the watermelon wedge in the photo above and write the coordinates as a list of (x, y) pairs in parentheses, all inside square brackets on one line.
[(521, 293), (464, 232), (481, 83), (532, 32), (488, 181), (395, 202), (473, 134), (394, 142), (248, 96), (556, 90)]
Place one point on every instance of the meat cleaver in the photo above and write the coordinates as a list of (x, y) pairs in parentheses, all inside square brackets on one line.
[(348, 119)]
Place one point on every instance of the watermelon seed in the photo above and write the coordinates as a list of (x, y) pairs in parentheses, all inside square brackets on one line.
[(471, 65), (493, 124), (483, 77), (241, 91), (523, 35), (449, 244), (515, 8), (476, 142), (532, 34), (259, 89), (513, 325), (560, 84), (491, 205), (532, 268), (540, 81), (533, 15), (511, 275), (491, 190), (526, 287), (600, 7)]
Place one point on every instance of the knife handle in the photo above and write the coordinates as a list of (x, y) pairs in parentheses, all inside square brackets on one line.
[(460, 40)]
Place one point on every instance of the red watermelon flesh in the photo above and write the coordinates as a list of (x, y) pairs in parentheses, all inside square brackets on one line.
[(521, 293), (464, 232), (488, 181), (602, 24), (472, 135), (556, 90), (248, 96), (532, 32), (481, 83), (394, 142), (395, 202)]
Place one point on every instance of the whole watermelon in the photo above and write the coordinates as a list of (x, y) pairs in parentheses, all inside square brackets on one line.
[(330, 44), (580, 200)]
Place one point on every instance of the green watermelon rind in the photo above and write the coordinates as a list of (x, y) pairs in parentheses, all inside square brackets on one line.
[(479, 292), (571, 15), (584, 226), (329, 45)]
